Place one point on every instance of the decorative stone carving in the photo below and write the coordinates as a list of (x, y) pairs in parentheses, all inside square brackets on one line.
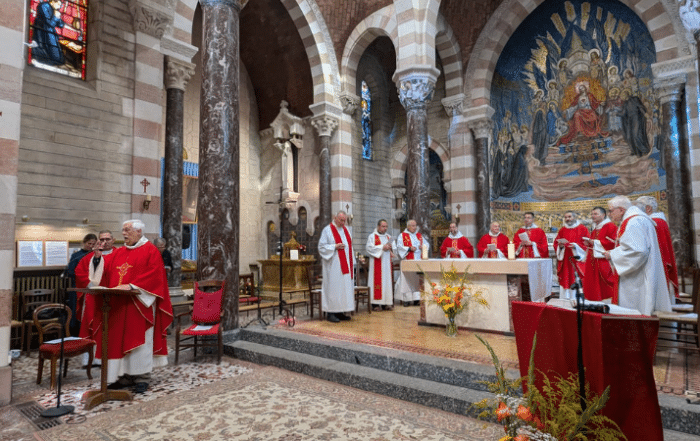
[(672, 67), (149, 20), (689, 11), (349, 101), (670, 88), (177, 49), (482, 127), (238, 4), (416, 91), (453, 104), (288, 126), (177, 73), (325, 125)]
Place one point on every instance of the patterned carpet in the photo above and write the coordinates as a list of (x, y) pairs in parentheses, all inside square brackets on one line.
[(271, 404)]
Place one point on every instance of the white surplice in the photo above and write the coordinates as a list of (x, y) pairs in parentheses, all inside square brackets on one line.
[(337, 289), (637, 260), (376, 252), (408, 287)]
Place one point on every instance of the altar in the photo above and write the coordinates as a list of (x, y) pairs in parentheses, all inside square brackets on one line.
[(504, 281), (294, 275)]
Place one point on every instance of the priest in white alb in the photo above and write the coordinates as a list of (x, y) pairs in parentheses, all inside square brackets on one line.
[(338, 287), (637, 259), (381, 292), (409, 246)]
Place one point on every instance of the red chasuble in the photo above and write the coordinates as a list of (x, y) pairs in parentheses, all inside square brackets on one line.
[(501, 242), (663, 234), (537, 237), (600, 281), (129, 319), (459, 244), (565, 270), (408, 243), (86, 309)]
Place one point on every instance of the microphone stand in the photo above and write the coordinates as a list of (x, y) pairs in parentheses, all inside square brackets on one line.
[(579, 324), (59, 410)]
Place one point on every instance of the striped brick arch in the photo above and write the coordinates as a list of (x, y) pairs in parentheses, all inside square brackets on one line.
[(400, 163), (666, 32)]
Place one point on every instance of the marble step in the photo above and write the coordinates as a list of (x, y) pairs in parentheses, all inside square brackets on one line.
[(450, 385)]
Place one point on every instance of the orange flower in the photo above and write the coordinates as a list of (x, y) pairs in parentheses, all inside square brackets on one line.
[(538, 423), (521, 437), (524, 413), (503, 411), (506, 438)]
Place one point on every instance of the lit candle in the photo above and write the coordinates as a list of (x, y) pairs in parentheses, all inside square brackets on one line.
[(511, 251), (424, 251)]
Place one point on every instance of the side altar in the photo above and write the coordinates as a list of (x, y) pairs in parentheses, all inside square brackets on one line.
[(504, 281), (294, 269)]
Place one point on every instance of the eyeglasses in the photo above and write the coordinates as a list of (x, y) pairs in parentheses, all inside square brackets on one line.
[(105, 239)]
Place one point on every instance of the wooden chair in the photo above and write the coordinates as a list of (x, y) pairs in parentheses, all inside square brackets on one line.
[(314, 294), (31, 300), (52, 351), (679, 330), (362, 291), (689, 300), (206, 314)]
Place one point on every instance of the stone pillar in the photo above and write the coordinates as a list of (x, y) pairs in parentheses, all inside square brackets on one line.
[(177, 74), (325, 125), (415, 92), (218, 210), (675, 151), (482, 128)]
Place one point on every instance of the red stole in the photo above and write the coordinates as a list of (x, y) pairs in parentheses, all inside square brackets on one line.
[(621, 230), (377, 272), (407, 243), (341, 253), (494, 254)]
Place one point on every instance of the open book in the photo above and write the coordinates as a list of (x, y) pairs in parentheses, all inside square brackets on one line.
[(524, 237), (598, 250)]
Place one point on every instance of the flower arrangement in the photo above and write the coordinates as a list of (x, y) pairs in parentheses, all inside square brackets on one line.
[(454, 294), (552, 414)]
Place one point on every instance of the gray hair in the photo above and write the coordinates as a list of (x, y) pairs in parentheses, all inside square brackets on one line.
[(620, 201), (572, 213), (136, 224), (647, 201)]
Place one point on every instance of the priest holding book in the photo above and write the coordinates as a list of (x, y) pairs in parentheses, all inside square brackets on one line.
[(530, 241)]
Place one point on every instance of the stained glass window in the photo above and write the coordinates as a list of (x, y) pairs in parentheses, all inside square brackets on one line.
[(366, 104), (57, 36)]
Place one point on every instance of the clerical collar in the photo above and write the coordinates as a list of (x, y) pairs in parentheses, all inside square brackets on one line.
[(456, 236), (603, 222), (141, 241), (576, 224), (379, 234), (534, 225), (109, 251), (495, 235)]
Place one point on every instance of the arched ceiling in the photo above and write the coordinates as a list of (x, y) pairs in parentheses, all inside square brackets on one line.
[(274, 56)]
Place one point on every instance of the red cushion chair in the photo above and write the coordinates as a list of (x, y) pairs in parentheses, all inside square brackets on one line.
[(52, 351), (206, 314)]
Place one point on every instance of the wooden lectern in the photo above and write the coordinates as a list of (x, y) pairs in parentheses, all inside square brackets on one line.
[(93, 398)]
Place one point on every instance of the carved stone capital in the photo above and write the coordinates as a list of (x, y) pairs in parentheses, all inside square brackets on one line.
[(349, 101), (453, 104), (177, 73), (177, 49), (150, 20), (325, 125), (482, 128), (689, 12), (416, 91), (238, 4), (670, 89)]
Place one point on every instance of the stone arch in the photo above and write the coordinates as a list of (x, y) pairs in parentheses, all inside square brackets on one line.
[(448, 48), (381, 23), (400, 163), (663, 25)]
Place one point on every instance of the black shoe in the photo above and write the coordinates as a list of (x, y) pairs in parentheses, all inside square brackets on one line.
[(343, 317), (140, 388), (117, 385), (406, 304), (416, 303), (332, 318)]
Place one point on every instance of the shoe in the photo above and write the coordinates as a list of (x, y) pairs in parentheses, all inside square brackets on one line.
[(332, 318), (343, 317), (377, 308), (416, 303), (388, 308), (140, 388), (406, 304), (117, 385)]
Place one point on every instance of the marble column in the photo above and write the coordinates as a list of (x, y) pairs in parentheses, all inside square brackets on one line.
[(482, 128), (675, 150), (177, 74), (325, 126), (218, 210), (415, 92)]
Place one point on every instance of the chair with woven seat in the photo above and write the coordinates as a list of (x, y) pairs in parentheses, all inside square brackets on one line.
[(52, 350), (31, 300), (314, 294), (362, 291), (206, 314)]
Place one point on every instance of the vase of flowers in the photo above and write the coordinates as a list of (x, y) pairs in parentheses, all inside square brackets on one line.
[(454, 294)]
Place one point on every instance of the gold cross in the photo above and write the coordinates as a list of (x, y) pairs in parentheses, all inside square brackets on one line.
[(123, 270)]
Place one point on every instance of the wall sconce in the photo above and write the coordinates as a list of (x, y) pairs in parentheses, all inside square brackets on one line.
[(147, 202), (457, 214), (347, 210)]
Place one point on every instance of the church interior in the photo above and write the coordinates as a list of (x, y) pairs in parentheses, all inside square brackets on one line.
[(237, 129)]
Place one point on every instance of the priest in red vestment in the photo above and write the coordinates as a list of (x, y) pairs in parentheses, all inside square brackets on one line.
[(600, 281), (455, 245), (137, 324), (649, 205), (493, 245), (569, 247), (530, 241)]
